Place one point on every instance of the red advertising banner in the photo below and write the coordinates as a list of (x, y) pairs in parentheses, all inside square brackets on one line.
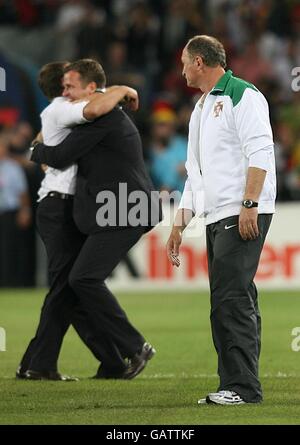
[(279, 265)]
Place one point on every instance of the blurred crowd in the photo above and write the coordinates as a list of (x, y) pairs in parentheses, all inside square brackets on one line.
[(19, 182), (139, 43)]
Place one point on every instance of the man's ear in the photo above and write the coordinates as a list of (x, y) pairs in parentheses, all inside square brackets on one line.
[(92, 86), (199, 62)]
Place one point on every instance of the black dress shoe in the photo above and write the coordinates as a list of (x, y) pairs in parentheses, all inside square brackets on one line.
[(20, 373), (139, 361), (48, 375), (103, 373)]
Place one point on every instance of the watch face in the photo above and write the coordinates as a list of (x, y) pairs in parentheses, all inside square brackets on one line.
[(248, 203)]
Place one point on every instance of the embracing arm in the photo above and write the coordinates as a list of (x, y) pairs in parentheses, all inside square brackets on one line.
[(69, 114), (102, 103), (79, 142)]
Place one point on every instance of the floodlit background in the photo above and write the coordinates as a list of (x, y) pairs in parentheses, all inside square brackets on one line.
[(139, 43)]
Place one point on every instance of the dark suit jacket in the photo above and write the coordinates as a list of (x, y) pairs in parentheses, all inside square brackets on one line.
[(109, 153)]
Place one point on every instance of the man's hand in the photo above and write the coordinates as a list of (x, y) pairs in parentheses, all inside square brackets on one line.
[(132, 99), (248, 227), (182, 219), (173, 245)]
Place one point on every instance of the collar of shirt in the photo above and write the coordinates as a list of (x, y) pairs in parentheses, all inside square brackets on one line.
[(221, 85)]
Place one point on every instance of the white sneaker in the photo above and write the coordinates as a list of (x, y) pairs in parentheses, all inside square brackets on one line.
[(204, 401), (224, 398)]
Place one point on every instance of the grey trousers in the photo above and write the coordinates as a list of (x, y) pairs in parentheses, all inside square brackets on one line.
[(235, 317)]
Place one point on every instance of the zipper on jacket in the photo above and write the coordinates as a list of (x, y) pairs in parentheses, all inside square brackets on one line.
[(200, 138)]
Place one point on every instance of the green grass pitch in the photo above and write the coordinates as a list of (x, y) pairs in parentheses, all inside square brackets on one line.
[(183, 370)]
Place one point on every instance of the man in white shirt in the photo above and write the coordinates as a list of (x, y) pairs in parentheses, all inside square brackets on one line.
[(55, 223), (232, 182)]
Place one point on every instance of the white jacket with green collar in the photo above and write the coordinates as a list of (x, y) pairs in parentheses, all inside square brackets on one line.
[(228, 132)]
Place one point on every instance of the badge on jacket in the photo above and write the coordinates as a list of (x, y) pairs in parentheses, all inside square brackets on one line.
[(218, 108)]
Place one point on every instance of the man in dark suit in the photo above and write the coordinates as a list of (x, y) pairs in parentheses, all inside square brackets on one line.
[(111, 172), (55, 223)]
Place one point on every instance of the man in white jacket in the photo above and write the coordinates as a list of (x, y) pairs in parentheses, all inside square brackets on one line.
[(232, 182)]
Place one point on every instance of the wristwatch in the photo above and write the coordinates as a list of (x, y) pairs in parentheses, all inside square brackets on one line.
[(248, 203), (34, 144)]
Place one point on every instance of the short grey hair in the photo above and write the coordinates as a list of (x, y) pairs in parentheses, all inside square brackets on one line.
[(209, 48)]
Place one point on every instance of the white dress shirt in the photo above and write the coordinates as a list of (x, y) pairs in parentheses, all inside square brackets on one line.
[(57, 122)]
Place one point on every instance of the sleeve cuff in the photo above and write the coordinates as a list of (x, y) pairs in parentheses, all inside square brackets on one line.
[(261, 158), (186, 201)]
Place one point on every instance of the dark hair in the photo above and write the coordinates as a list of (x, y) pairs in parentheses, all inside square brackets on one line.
[(90, 71), (209, 48), (50, 79)]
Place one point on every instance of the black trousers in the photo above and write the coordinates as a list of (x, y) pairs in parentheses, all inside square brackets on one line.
[(99, 255), (235, 317), (62, 306)]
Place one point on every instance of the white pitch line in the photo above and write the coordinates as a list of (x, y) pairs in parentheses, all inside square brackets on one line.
[(278, 375)]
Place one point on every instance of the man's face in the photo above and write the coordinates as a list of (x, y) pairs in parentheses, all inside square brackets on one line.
[(163, 130), (74, 88), (190, 69)]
